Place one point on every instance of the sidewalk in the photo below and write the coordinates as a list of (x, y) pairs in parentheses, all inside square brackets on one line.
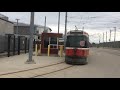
[(17, 62)]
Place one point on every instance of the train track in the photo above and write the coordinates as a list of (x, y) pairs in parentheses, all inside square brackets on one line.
[(38, 71)]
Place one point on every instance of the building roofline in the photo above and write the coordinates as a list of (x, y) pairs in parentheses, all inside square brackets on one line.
[(6, 20)]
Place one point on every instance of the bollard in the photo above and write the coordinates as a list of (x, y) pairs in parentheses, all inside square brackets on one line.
[(36, 51), (61, 50), (40, 49), (48, 50)]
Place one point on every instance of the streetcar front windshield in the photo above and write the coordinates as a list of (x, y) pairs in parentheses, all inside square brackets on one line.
[(74, 41)]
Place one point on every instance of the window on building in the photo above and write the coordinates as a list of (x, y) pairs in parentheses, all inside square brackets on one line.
[(50, 40)]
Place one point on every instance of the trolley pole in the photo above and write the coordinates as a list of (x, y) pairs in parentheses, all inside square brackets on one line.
[(30, 60), (65, 30)]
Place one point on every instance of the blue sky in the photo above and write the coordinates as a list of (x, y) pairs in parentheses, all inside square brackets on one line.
[(93, 22)]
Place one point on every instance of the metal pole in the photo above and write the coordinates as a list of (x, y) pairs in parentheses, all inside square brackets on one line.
[(14, 45), (83, 28), (103, 39), (65, 30), (110, 39), (106, 36), (58, 22), (45, 24), (110, 36), (9, 45), (25, 43), (18, 45), (30, 60), (114, 36), (17, 26), (58, 28), (99, 39)]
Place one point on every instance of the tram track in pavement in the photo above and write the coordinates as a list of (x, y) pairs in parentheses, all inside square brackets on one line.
[(38, 71), (52, 72)]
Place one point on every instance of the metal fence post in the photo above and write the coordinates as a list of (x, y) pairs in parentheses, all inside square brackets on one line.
[(9, 45), (25, 43), (14, 45), (18, 45)]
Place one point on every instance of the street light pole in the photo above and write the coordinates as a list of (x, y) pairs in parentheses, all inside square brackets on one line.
[(30, 60)]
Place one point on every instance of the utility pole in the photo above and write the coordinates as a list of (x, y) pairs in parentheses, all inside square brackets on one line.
[(110, 39), (58, 22), (99, 39), (76, 27), (114, 34), (65, 30), (83, 28), (30, 60), (17, 26), (58, 28), (110, 36), (103, 39), (45, 24), (106, 36)]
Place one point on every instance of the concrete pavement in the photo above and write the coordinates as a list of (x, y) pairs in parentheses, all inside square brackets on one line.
[(17, 62), (101, 64)]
